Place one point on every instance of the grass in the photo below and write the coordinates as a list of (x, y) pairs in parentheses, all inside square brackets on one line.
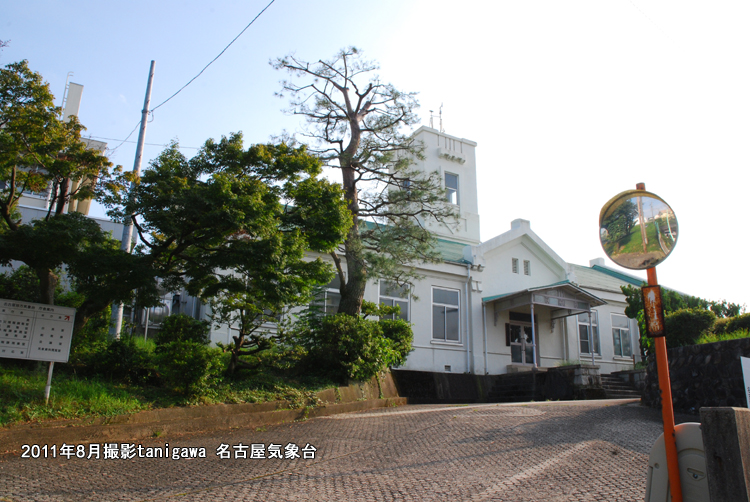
[(633, 243), (22, 394), (22, 397), (711, 337)]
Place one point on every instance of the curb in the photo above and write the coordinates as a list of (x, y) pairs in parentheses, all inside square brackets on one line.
[(180, 420), (208, 418)]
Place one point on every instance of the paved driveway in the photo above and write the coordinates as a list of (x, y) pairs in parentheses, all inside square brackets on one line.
[(592, 450)]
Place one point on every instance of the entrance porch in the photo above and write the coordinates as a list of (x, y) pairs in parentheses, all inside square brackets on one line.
[(531, 324)]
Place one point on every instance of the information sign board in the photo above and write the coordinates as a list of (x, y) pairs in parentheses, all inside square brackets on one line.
[(35, 331)]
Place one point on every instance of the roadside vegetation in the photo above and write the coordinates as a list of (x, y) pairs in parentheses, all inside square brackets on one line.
[(177, 367), (231, 226), (689, 320), (721, 337), (74, 396)]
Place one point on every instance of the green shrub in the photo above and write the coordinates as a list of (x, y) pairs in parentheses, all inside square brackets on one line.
[(123, 360), (720, 326), (685, 326), (720, 337), (21, 284), (182, 328), (400, 333), (187, 365), (739, 322), (343, 347)]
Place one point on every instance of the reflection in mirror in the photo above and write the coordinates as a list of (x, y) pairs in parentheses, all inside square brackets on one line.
[(637, 229)]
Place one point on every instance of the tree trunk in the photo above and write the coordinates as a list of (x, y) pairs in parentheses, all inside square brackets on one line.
[(61, 199), (234, 361), (47, 284), (353, 288), (353, 292)]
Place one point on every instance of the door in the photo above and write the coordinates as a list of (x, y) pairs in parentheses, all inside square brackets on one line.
[(521, 346)]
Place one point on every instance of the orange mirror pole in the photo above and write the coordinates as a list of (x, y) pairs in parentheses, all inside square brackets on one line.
[(667, 412)]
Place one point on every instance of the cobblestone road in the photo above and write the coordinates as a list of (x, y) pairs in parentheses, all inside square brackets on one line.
[(585, 451)]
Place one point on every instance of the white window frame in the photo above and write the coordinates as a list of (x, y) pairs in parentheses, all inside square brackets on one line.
[(618, 331), (457, 306), (450, 190), (328, 292), (514, 265), (393, 299), (527, 267), (594, 327)]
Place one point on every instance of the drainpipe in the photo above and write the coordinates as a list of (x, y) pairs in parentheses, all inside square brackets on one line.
[(533, 336), (591, 341), (468, 314), (484, 328)]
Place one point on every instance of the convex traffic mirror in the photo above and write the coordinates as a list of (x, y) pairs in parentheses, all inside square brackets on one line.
[(638, 230)]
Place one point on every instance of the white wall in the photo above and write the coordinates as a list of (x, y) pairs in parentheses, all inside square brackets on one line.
[(449, 154)]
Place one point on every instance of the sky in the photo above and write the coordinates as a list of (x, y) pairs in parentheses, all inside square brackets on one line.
[(570, 102)]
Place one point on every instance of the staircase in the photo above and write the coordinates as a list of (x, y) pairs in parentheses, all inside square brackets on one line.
[(516, 388), (616, 388)]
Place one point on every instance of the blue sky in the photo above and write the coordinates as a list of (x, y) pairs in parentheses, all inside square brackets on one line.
[(570, 102)]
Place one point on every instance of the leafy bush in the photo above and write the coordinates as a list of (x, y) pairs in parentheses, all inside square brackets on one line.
[(93, 336), (124, 360), (720, 337), (720, 326), (187, 365), (182, 328), (21, 284), (343, 347), (399, 332), (685, 326), (739, 322)]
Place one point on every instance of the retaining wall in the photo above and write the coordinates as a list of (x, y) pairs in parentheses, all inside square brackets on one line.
[(564, 383), (701, 375)]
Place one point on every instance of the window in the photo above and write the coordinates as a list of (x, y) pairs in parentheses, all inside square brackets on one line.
[(583, 332), (526, 267), (328, 298), (515, 265), (451, 187), (621, 335), (445, 315), (393, 295)]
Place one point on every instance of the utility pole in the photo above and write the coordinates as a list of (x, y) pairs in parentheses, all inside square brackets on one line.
[(127, 230)]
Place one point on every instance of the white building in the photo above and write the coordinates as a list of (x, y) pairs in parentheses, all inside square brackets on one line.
[(475, 308)]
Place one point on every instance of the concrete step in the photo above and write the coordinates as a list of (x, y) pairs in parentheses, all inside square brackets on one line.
[(616, 388)]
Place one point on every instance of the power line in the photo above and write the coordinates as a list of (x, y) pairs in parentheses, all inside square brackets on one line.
[(214, 59), (150, 144), (190, 82), (126, 138)]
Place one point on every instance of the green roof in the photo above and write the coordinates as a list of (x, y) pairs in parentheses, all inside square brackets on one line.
[(619, 275), (566, 283), (559, 283), (451, 251)]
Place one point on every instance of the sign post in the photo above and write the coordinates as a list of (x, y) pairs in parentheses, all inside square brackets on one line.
[(638, 230), (36, 331), (746, 375)]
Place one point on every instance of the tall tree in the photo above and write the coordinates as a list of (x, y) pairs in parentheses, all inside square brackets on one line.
[(232, 225), (358, 125), (41, 153)]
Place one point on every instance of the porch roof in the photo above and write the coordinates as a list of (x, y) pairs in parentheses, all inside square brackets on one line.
[(562, 298)]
